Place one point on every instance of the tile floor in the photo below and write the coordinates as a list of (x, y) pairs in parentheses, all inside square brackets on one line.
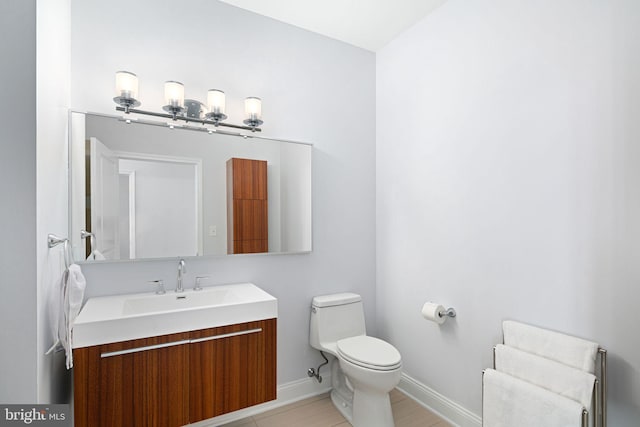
[(319, 411)]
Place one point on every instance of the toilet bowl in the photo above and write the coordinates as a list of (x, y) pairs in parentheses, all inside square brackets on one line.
[(365, 369)]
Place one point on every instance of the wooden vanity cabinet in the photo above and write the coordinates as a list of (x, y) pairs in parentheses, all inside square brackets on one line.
[(176, 379)]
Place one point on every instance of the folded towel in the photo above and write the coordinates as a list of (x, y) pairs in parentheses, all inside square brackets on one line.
[(562, 348), (511, 402), (546, 373), (73, 286)]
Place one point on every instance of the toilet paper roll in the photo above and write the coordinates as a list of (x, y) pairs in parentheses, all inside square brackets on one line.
[(431, 311)]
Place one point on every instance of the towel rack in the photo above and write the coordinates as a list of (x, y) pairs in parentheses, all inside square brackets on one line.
[(53, 241), (599, 393), (602, 405), (92, 241)]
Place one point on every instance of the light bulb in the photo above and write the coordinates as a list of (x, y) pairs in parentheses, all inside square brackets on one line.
[(174, 94), (216, 101), (126, 85), (126, 90), (253, 108)]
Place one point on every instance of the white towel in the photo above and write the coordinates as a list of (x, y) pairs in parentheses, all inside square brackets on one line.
[(55, 264), (546, 373), (96, 256), (54, 304), (73, 286), (562, 348), (511, 402)]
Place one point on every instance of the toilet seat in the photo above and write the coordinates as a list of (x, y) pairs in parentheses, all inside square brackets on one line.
[(369, 352)]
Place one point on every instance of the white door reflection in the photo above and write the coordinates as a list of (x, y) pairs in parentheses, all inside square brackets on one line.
[(160, 200), (103, 192)]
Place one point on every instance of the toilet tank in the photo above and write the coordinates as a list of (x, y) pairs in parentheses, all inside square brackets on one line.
[(334, 317)]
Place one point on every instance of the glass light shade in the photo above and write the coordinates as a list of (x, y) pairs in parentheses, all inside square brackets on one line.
[(126, 85), (253, 108), (216, 101), (174, 94)]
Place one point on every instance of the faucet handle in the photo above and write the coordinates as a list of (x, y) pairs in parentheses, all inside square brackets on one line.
[(197, 287), (160, 284)]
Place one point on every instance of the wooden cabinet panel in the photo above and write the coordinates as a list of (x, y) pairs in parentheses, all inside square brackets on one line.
[(249, 178), (86, 384), (247, 206), (251, 246), (141, 388), (235, 371), (175, 379), (250, 220)]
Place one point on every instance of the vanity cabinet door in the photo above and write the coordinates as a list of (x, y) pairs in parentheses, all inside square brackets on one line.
[(231, 368), (141, 382), (172, 380)]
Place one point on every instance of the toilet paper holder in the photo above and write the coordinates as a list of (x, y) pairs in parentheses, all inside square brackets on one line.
[(436, 312), (449, 312)]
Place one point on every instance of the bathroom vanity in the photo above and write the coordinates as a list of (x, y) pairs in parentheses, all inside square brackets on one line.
[(175, 378)]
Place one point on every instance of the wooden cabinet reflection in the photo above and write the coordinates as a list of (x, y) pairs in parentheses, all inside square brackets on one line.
[(247, 206)]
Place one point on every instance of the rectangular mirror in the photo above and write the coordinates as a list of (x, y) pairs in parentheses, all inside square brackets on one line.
[(142, 189)]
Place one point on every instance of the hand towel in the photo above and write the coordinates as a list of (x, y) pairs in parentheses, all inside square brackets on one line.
[(562, 348), (73, 293), (54, 304), (55, 274), (546, 373), (511, 402)]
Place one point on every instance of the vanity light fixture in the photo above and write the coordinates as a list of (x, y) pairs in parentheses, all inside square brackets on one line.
[(216, 101), (126, 90), (253, 111), (187, 110), (173, 98)]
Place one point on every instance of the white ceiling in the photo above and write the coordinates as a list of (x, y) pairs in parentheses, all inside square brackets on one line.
[(369, 24)]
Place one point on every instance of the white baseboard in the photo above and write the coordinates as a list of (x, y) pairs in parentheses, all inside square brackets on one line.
[(308, 387), (435, 402), (287, 393)]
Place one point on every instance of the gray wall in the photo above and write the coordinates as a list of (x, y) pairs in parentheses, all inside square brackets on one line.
[(18, 205), (508, 185), (314, 89)]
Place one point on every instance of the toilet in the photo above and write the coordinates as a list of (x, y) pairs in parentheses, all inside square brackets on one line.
[(365, 369)]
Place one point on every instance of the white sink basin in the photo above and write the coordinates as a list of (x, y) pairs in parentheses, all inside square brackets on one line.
[(178, 301), (125, 317)]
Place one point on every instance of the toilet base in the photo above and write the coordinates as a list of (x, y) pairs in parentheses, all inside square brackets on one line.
[(364, 409), (341, 392), (343, 405), (371, 409), (361, 406)]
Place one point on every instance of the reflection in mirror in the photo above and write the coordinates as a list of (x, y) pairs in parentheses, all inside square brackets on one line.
[(141, 190)]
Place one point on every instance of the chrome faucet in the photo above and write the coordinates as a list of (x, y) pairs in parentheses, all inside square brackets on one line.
[(182, 269)]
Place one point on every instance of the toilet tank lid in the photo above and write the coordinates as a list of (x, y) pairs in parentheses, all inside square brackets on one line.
[(335, 299)]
